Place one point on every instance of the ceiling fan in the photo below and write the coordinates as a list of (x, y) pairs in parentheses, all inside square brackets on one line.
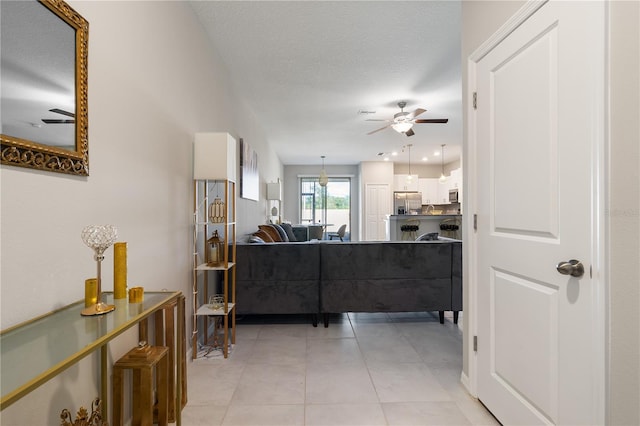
[(60, 120), (403, 121)]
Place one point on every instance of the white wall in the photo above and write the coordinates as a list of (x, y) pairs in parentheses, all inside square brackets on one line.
[(623, 215), (153, 83)]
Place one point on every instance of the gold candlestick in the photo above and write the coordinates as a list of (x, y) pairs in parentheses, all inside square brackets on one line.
[(99, 238), (120, 270)]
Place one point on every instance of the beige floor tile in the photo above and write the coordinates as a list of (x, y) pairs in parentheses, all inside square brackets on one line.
[(248, 332), (279, 351), (284, 331), (335, 330), (476, 412), (203, 415), (271, 384), (424, 414), (390, 348), (290, 373), (333, 351), (339, 383), (344, 415), (406, 382), (264, 415), (203, 376)]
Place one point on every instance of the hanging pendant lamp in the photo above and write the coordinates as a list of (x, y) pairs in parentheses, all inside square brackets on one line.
[(323, 179), (409, 177), (443, 178)]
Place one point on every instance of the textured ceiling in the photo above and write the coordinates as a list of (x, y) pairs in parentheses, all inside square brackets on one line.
[(306, 69)]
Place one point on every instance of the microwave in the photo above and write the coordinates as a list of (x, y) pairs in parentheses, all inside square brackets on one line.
[(453, 195)]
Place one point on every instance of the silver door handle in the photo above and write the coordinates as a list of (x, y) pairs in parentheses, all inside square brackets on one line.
[(572, 267)]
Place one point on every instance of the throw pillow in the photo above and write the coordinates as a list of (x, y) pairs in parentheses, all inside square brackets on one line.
[(281, 231), (264, 236), (255, 239), (289, 230), (269, 229)]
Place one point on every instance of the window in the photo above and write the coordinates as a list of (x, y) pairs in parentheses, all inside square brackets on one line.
[(326, 205)]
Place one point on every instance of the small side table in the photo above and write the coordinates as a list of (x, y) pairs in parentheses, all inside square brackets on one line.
[(141, 361)]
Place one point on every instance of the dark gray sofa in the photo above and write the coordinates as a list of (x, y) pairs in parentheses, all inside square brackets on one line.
[(391, 277), (337, 277), (278, 278)]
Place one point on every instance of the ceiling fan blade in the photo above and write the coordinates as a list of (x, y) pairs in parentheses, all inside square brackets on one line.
[(376, 131), (63, 112), (57, 121), (409, 132), (432, 120), (416, 113)]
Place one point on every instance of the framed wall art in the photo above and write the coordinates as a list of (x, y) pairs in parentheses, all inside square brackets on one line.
[(249, 178)]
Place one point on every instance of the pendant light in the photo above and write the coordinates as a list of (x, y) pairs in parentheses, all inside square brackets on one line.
[(323, 179), (409, 177), (443, 178)]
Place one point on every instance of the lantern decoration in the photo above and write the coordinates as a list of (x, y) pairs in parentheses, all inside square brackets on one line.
[(216, 211), (216, 250)]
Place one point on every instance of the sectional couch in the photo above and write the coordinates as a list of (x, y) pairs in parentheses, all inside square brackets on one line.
[(335, 277)]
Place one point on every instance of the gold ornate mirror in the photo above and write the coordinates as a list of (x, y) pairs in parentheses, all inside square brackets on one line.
[(43, 86)]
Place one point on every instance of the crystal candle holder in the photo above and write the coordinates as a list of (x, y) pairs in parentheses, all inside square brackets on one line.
[(99, 238)]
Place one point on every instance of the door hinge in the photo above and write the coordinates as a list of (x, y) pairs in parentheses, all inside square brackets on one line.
[(475, 100), (475, 343), (475, 222)]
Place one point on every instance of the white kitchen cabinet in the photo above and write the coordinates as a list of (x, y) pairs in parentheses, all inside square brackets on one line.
[(403, 183), (429, 189), (456, 182), (456, 179), (443, 192)]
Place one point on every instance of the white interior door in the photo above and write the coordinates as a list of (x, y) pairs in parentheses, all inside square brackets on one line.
[(539, 127), (377, 206)]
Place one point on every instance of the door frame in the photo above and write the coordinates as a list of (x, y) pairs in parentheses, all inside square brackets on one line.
[(599, 207)]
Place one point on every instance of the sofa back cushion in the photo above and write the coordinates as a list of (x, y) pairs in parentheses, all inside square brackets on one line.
[(385, 260)]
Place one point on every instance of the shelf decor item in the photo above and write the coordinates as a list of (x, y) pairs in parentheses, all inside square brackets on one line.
[(216, 247), (217, 211), (99, 238), (120, 270), (136, 295)]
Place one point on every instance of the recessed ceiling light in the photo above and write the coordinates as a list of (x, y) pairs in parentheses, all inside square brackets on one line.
[(436, 153), (425, 159), (386, 158), (394, 153)]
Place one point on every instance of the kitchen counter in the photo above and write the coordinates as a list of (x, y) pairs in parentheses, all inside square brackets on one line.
[(427, 223)]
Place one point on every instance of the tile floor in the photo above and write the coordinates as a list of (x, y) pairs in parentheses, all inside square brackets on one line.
[(365, 369)]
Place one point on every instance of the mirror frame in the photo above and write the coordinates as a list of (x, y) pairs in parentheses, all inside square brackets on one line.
[(30, 154)]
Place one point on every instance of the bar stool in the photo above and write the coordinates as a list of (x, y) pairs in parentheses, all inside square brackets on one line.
[(141, 361), (409, 229)]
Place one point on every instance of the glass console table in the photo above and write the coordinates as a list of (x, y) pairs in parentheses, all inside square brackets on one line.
[(37, 350)]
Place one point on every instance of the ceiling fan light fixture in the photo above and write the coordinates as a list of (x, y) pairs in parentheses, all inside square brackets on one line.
[(402, 127)]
